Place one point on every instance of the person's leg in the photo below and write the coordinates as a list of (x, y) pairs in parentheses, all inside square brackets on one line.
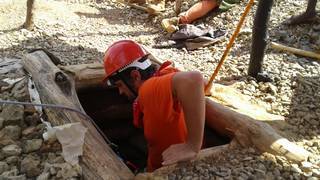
[(198, 10), (308, 16)]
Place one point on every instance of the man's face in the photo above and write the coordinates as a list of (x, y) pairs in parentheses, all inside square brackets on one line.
[(124, 90)]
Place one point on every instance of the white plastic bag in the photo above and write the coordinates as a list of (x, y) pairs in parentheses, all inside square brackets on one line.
[(71, 137)]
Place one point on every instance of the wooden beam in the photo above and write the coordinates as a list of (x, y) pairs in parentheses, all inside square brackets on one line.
[(57, 87), (178, 7), (295, 50), (85, 75), (251, 132), (29, 23)]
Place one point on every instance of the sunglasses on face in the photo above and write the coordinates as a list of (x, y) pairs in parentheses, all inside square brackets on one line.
[(112, 80)]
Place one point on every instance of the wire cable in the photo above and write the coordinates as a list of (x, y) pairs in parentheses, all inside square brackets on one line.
[(54, 106)]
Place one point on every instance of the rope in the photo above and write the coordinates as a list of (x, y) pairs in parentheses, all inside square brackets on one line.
[(227, 50), (54, 106)]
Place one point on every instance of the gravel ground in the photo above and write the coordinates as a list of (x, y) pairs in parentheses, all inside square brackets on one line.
[(80, 33)]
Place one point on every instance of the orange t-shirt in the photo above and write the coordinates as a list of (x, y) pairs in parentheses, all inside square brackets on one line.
[(163, 119)]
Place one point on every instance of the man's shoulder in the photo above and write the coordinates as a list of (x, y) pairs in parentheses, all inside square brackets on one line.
[(164, 78), (156, 84)]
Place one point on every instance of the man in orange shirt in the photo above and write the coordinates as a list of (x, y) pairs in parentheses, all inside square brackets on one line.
[(169, 105)]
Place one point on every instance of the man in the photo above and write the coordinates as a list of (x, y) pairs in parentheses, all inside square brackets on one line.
[(169, 105), (198, 10), (308, 16)]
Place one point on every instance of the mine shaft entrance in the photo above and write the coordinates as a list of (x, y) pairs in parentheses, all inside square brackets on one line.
[(113, 115)]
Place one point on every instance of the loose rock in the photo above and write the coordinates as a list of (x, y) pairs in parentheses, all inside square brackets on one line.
[(43, 176), (12, 114), (3, 167), (1, 122), (32, 120), (30, 166), (12, 160), (11, 150), (14, 132), (32, 145)]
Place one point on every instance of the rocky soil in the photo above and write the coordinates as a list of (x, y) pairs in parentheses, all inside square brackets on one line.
[(23, 152), (80, 32)]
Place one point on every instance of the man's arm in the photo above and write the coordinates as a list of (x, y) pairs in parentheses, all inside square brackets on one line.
[(188, 88)]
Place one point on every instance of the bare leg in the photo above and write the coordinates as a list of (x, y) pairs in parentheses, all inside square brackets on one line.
[(306, 17), (198, 10)]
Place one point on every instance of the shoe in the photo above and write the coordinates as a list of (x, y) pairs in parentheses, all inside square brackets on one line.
[(224, 6), (170, 24), (232, 1)]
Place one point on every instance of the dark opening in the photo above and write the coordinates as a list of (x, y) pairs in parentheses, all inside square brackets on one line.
[(113, 115)]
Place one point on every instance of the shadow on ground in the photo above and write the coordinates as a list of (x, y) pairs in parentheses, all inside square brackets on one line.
[(303, 120), (305, 107), (67, 53), (121, 16)]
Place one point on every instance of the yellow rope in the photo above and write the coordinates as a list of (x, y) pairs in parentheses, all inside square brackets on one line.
[(231, 41)]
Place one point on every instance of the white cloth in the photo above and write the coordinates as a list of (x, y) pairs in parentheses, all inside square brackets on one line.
[(71, 137)]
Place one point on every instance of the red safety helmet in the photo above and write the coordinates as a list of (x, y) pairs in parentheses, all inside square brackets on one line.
[(121, 55)]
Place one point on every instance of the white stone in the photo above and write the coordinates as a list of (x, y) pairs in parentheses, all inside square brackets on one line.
[(11, 150), (306, 166)]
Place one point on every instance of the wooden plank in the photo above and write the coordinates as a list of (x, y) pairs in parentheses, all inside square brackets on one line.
[(56, 87), (295, 50)]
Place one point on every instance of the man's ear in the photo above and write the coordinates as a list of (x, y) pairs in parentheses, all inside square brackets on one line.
[(135, 75)]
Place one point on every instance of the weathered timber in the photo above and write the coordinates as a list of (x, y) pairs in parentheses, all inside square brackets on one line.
[(57, 87), (177, 7), (29, 24), (251, 132), (300, 52), (86, 75), (91, 75), (233, 118)]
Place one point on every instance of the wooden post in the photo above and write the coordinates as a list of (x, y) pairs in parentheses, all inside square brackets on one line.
[(178, 7), (29, 24), (295, 50), (251, 132), (259, 37), (229, 45)]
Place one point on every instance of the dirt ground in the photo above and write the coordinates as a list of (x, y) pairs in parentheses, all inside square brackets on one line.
[(79, 33)]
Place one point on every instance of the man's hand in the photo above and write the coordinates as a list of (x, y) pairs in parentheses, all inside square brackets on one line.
[(178, 152)]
